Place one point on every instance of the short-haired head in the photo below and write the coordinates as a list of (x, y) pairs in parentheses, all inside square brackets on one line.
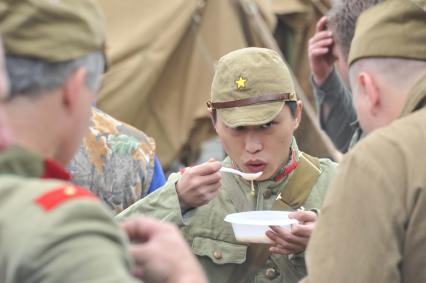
[(387, 58), (342, 19), (46, 41)]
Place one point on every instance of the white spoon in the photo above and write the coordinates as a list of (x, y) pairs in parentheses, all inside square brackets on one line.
[(247, 176)]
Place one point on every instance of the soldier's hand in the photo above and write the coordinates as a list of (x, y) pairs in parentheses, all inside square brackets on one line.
[(160, 253), (199, 184), (320, 55), (295, 241)]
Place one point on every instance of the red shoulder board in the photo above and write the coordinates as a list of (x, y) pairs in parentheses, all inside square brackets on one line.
[(55, 197)]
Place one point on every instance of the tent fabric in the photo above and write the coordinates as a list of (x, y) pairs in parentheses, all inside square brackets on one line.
[(161, 62)]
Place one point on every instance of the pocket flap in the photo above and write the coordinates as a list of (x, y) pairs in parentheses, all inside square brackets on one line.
[(220, 252)]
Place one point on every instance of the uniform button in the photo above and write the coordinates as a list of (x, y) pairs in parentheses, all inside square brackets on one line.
[(217, 255), (267, 194), (270, 273)]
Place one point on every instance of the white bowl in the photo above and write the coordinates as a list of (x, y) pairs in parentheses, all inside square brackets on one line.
[(250, 226)]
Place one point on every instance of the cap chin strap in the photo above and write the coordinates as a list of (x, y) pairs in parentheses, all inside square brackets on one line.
[(252, 100)]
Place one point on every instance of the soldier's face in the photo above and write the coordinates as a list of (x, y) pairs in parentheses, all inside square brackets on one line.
[(80, 99), (341, 63), (263, 147)]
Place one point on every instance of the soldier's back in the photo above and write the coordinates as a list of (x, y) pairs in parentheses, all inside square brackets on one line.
[(54, 231)]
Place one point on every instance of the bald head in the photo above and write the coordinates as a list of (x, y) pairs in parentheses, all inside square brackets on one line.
[(380, 87)]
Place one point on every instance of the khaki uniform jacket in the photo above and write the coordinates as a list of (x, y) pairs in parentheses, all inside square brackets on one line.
[(49, 237), (372, 227), (212, 239)]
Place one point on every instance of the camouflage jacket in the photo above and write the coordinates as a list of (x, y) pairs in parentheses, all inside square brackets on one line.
[(115, 161)]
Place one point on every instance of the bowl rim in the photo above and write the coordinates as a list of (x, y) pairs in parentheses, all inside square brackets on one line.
[(234, 218)]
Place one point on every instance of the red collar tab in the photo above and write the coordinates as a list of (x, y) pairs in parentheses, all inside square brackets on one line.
[(56, 196), (284, 171), (54, 170)]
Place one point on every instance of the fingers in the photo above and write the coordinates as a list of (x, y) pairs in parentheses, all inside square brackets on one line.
[(138, 272), (204, 169), (286, 238), (321, 36), (321, 40), (280, 250), (303, 216), (138, 253), (285, 242), (206, 193), (140, 229), (303, 230), (321, 24), (199, 184)]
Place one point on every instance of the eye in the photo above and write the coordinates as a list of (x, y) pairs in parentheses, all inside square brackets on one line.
[(267, 125), (239, 128)]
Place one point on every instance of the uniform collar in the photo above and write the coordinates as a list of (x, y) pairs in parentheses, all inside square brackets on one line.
[(416, 98), (16, 160), (287, 167)]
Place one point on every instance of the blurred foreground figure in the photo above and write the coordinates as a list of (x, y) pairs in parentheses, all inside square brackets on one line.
[(5, 137), (373, 224), (52, 230), (255, 111)]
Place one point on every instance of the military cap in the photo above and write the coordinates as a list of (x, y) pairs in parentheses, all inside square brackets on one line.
[(52, 30), (393, 28), (250, 87)]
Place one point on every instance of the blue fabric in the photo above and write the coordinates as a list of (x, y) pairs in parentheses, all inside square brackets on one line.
[(158, 178)]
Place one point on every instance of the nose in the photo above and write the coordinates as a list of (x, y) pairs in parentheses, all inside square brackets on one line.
[(253, 143)]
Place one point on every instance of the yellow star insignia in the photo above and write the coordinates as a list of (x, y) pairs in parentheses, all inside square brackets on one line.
[(241, 82)]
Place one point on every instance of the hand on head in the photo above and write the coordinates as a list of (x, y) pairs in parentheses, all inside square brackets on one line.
[(295, 241), (199, 184), (321, 59), (160, 253)]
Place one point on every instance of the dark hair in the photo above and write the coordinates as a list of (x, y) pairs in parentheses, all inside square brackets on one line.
[(291, 104), (342, 20)]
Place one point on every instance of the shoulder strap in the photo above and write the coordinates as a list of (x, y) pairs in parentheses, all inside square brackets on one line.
[(292, 196)]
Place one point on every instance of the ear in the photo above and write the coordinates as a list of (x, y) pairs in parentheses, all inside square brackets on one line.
[(298, 116), (369, 91), (72, 89), (213, 116)]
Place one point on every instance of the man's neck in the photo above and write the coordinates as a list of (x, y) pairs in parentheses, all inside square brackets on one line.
[(34, 130)]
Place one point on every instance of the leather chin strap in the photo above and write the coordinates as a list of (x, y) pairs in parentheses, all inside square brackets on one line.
[(252, 100)]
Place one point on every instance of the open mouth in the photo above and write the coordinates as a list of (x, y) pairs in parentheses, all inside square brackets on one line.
[(254, 167)]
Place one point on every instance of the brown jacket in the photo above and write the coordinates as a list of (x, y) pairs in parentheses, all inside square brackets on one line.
[(373, 223)]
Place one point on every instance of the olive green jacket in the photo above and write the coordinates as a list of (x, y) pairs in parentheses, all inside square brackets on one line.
[(373, 224), (54, 239), (212, 239)]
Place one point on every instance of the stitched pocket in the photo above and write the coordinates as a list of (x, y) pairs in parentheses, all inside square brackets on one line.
[(219, 252)]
